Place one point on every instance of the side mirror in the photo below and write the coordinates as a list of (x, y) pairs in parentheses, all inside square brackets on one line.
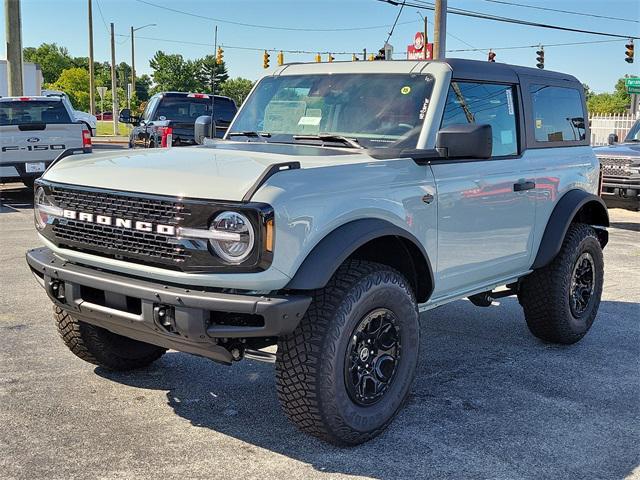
[(125, 116), (204, 127), (612, 138), (465, 141)]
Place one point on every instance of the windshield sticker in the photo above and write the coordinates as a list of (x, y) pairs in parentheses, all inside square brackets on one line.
[(506, 137), (509, 101), (423, 110), (406, 90), (309, 121), (538, 123)]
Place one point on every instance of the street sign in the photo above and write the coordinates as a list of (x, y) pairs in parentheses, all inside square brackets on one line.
[(633, 89), (632, 82), (418, 50), (102, 91)]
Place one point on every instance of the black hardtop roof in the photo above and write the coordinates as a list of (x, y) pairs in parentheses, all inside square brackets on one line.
[(503, 72), (184, 94)]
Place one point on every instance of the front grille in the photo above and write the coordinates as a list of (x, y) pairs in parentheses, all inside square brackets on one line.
[(123, 206), (121, 240), (616, 167)]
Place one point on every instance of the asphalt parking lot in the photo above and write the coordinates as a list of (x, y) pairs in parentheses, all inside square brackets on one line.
[(489, 401)]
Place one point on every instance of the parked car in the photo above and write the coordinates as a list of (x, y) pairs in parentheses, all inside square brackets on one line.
[(34, 131), (172, 116), (87, 119), (106, 116), (344, 199), (621, 167)]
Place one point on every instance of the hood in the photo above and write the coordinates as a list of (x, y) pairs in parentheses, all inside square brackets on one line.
[(630, 149), (218, 171)]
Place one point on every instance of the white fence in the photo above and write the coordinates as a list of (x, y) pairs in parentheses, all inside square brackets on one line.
[(603, 125)]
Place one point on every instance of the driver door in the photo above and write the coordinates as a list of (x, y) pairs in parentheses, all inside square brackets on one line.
[(486, 208)]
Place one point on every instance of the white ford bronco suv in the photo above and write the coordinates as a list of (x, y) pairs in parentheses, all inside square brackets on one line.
[(344, 199)]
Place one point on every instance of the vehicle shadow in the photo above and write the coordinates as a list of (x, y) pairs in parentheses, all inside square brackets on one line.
[(634, 227), (489, 401), (14, 197)]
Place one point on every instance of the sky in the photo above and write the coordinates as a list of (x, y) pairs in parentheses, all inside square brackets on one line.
[(597, 64)]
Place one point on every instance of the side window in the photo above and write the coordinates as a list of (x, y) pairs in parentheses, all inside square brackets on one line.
[(557, 114), (149, 108), (485, 103)]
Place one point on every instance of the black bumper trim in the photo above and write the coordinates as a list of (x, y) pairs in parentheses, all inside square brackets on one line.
[(195, 333)]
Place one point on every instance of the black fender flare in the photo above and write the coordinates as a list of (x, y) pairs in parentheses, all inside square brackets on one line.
[(592, 210), (322, 262)]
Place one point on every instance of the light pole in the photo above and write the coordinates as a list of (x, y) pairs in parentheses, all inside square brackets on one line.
[(133, 56)]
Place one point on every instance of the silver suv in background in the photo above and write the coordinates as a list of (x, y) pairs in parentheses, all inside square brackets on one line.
[(345, 198)]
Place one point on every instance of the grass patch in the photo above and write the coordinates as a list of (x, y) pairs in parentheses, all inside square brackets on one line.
[(106, 128)]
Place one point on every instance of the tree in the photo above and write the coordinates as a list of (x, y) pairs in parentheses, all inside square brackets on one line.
[(75, 83), (143, 85), (51, 58), (608, 103), (173, 72), (207, 69), (237, 89)]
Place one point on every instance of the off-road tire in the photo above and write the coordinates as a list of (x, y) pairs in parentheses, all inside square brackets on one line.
[(545, 293), (102, 347), (310, 364)]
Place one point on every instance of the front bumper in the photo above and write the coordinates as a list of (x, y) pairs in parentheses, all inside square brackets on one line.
[(201, 322)]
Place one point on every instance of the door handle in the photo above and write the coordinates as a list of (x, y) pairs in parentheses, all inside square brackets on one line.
[(522, 186)]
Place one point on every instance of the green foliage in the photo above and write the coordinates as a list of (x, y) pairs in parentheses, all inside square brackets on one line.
[(75, 83), (143, 85), (609, 103), (237, 89), (207, 68), (51, 58), (174, 73)]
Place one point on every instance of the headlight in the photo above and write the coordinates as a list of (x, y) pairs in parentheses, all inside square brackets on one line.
[(241, 237), (43, 209)]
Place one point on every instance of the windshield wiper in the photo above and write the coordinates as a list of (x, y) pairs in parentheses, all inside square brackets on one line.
[(249, 134), (327, 137)]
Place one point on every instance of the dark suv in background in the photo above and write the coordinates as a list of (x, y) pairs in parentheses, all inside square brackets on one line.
[(169, 118), (621, 168)]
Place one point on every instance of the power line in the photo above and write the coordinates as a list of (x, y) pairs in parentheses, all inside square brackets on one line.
[(104, 22), (394, 23), (497, 18), (268, 27), (570, 12)]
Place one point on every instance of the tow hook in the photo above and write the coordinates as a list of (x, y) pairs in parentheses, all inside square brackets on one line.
[(236, 350), (57, 290)]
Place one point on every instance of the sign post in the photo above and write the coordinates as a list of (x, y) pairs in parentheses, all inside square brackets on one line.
[(102, 91)]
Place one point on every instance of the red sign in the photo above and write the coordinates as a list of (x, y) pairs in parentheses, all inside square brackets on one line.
[(418, 51)]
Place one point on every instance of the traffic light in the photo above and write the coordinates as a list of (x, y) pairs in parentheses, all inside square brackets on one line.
[(219, 55), (280, 58), (318, 58), (492, 56), (265, 59), (540, 58), (330, 58), (629, 51)]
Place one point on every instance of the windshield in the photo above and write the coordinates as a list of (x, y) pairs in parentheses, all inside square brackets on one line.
[(634, 133), (377, 110), (21, 112)]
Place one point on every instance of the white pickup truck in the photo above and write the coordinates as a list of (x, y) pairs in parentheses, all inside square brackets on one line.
[(34, 131)]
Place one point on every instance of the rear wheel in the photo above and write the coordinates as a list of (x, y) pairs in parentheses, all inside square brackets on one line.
[(346, 370), (102, 347), (561, 300)]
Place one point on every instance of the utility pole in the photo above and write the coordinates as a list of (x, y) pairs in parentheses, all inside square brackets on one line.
[(426, 39), (440, 30), (133, 65), (114, 86), (92, 86), (13, 32)]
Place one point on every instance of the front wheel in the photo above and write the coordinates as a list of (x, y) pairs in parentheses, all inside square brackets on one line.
[(346, 370), (561, 300)]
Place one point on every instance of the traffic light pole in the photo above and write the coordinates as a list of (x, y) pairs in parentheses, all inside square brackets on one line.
[(92, 80), (13, 29), (440, 30)]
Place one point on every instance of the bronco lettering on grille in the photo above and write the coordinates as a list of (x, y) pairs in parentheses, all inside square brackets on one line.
[(139, 225)]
